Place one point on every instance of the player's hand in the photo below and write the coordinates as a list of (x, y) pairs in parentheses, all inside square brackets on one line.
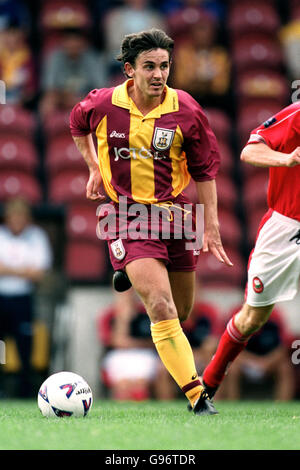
[(293, 158), (93, 187), (212, 243)]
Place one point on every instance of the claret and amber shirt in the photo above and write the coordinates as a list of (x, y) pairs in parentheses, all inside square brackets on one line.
[(149, 159)]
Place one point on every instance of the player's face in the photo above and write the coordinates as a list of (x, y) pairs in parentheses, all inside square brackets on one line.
[(150, 72)]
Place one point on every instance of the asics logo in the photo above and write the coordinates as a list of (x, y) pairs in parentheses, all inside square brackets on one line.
[(118, 135), (134, 153)]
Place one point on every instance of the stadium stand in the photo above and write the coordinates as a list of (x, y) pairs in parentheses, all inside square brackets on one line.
[(17, 152), (17, 120), (85, 261), (16, 183), (52, 173), (62, 154), (252, 16)]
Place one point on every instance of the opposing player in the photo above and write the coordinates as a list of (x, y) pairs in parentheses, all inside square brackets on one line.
[(151, 139), (274, 264)]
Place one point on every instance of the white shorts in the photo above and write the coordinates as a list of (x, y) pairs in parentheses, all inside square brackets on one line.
[(274, 264), (130, 364)]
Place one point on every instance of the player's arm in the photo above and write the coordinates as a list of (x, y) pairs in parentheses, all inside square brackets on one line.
[(86, 147), (31, 274), (260, 154), (207, 195)]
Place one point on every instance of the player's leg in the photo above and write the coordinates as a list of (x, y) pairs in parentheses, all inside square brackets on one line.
[(150, 279), (183, 292), (233, 341), (273, 273)]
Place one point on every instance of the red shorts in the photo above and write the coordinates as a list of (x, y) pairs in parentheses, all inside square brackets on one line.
[(173, 251)]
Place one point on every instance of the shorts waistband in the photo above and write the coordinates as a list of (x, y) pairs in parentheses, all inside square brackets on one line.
[(286, 220)]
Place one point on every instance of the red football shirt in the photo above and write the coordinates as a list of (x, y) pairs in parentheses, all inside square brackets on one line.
[(282, 133)]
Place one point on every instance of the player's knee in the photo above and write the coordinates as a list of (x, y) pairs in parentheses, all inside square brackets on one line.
[(251, 319), (161, 307), (252, 323)]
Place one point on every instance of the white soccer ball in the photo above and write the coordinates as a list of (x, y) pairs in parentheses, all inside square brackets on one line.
[(65, 394)]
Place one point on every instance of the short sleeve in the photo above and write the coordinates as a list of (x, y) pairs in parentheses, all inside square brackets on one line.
[(81, 114), (278, 128), (200, 143)]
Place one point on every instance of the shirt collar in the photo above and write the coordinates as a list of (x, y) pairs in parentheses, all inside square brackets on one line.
[(169, 105)]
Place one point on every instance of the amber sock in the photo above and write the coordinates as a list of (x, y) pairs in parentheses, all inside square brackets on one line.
[(176, 354)]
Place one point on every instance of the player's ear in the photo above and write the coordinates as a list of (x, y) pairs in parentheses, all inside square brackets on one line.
[(128, 69)]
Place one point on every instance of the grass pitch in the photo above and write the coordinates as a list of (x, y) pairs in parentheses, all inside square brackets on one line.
[(246, 425)]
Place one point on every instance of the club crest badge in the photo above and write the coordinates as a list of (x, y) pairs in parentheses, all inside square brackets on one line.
[(257, 284), (118, 249), (163, 138)]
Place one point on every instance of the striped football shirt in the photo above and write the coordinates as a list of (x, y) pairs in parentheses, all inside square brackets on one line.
[(149, 159)]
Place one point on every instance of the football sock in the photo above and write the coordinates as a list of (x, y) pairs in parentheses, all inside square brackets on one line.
[(176, 354), (232, 342)]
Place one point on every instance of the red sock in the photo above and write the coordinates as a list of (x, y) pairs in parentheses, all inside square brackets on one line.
[(232, 342)]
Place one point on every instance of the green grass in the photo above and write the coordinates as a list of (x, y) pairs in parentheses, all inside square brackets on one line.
[(153, 425)]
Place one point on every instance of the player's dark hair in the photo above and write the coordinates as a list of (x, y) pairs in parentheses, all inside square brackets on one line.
[(134, 44)]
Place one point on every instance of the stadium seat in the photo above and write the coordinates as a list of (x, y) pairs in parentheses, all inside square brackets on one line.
[(252, 115), (227, 159), (227, 192), (61, 14), (294, 8), (255, 191), (253, 220), (212, 272), (17, 183), (252, 16), (17, 121), (81, 222), (57, 124), (17, 153), (219, 122), (230, 228), (85, 261), (256, 50), (67, 186), (262, 84), (62, 154)]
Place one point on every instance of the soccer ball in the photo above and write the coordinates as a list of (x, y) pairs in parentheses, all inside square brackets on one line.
[(65, 394)]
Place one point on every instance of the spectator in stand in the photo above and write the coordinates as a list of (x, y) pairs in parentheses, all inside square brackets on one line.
[(25, 256), (267, 355), (130, 363), (70, 72), (207, 78), (169, 7), (133, 16), (290, 39), (17, 68), (14, 11)]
